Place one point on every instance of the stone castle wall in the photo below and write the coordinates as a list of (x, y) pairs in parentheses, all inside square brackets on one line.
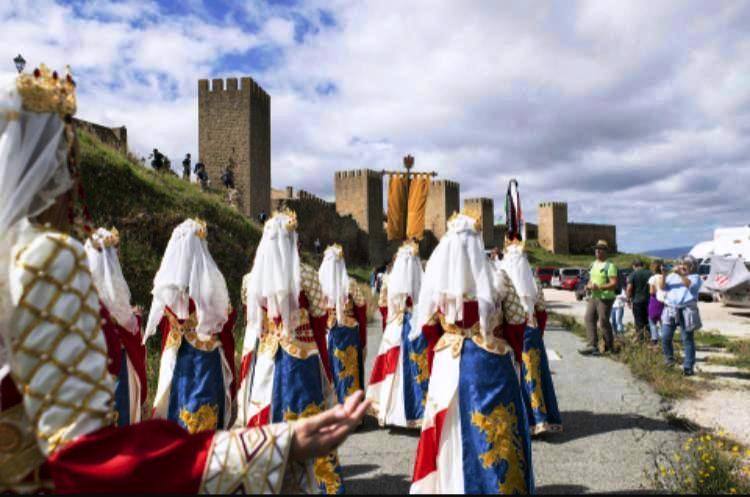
[(483, 208), (234, 124), (359, 194), (553, 227), (583, 236), (443, 199), (116, 138)]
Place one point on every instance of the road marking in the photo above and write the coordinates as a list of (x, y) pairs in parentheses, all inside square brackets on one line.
[(552, 355)]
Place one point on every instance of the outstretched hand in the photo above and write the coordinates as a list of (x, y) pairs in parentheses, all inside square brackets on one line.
[(320, 434)]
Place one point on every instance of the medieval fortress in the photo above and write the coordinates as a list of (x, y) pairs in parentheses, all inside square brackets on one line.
[(234, 128)]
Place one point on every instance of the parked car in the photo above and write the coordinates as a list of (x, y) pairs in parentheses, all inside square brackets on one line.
[(569, 277), (545, 275), (705, 294), (555, 281)]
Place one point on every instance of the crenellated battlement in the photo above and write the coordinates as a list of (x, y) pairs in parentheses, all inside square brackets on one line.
[(483, 201), (246, 86), (356, 173), (557, 205)]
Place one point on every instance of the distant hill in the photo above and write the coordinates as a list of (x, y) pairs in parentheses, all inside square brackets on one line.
[(670, 253)]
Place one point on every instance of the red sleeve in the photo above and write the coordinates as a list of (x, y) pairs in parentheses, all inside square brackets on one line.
[(361, 313), (133, 343), (384, 315), (164, 328), (155, 456), (541, 319), (113, 341), (432, 334), (513, 334), (319, 326), (227, 345)]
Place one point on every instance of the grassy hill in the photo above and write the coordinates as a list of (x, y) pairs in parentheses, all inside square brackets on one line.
[(540, 257)]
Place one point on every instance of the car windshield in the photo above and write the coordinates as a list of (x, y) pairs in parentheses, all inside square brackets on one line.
[(571, 272)]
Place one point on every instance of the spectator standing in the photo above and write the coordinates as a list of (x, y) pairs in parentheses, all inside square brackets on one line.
[(157, 160), (201, 174), (656, 301), (618, 310), (317, 246), (262, 217), (681, 309), (638, 298), (186, 167), (602, 283)]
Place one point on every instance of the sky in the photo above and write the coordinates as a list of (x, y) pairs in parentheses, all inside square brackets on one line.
[(635, 113)]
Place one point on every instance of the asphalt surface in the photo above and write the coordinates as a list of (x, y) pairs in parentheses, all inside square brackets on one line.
[(612, 427)]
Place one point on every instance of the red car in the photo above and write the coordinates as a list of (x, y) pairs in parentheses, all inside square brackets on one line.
[(570, 277), (545, 275)]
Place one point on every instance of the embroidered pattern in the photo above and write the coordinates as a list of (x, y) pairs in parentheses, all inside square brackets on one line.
[(205, 418), (313, 292), (60, 351), (348, 358), (532, 361), (512, 307), (421, 361), (500, 429)]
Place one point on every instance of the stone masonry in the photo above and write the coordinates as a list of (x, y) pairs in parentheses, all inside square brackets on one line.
[(234, 124), (559, 236), (483, 208), (359, 193), (443, 199)]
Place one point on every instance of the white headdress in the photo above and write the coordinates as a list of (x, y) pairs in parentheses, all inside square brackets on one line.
[(187, 272), (517, 267), (405, 279), (458, 270), (101, 252), (334, 281), (33, 164), (274, 281)]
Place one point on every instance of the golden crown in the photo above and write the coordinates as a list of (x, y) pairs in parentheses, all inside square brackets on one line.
[(410, 244), (202, 228), (45, 91), (102, 242), (469, 213), (337, 249), (291, 224)]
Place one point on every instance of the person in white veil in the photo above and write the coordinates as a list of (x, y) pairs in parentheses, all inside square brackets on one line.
[(121, 324), (192, 310), (347, 323), (475, 436), (283, 376), (538, 389), (400, 374)]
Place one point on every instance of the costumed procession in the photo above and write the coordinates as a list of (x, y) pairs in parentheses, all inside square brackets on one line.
[(461, 360)]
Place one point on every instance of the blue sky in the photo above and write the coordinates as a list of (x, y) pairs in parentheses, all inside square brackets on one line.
[(636, 114)]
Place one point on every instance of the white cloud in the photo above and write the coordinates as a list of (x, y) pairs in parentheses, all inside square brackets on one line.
[(632, 113)]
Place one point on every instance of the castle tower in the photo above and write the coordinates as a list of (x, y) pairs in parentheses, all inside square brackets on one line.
[(553, 227), (484, 209), (442, 202), (360, 194), (234, 124)]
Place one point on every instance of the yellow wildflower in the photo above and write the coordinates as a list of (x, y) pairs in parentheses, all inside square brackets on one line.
[(732, 490), (735, 448)]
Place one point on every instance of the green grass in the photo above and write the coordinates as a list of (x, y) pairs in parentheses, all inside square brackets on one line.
[(712, 338), (540, 257), (360, 273), (645, 363), (741, 357)]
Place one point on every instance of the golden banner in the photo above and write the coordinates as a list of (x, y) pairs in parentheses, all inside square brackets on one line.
[(396, 207), (418, 189)]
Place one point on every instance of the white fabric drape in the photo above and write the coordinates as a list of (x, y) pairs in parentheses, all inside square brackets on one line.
[(457, 269), (516, 265), (33, 173), (405, 279), (187, 272), (108, 279), (334, 281), (274, 281)]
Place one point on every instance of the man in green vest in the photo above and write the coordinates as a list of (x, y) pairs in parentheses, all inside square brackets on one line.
[(602, 284)]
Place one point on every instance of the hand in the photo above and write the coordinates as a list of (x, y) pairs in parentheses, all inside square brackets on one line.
[(594, 286), (320, 434)]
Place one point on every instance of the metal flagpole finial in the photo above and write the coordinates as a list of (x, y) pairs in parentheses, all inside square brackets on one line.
[(408, 162), (20, 63)]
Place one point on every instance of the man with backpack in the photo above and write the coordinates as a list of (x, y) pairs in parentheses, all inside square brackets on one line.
[(638, 297), (602, 283)]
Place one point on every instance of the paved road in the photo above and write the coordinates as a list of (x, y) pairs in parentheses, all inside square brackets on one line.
[(612, 423)]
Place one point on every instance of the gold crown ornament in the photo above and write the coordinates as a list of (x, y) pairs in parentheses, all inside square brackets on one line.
[(202, 229), (411, 245), (468, 213), (45, 91), (337, 249), (291, 224), (103, 242)]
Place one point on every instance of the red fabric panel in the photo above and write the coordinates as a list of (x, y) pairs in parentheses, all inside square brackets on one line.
[(385, 364), (155, 456), (384, 315), (432, 334), (9, 394), (114, 352), (513, 334), (136, 351), (227, 344), (260, 419), (361, 313), (247, 360), (320, 330), (427, 450), (541, 318)]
